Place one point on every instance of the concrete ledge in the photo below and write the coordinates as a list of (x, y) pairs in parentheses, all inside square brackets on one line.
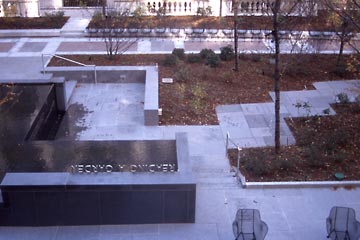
[(301, 184), (30, 33), (151, 101), (296, 184), (119, 74)]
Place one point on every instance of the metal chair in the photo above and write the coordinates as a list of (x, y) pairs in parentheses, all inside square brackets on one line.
[(248, 225), (342, 224)]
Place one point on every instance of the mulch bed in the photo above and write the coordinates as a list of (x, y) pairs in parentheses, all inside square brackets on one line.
[(325, 146), (32, 23)]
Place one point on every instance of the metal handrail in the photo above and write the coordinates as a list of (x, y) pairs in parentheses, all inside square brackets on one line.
[(69, 60), (228, 141)]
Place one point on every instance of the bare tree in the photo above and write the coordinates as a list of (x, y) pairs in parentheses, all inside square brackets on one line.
[(235, 6), (111, 31), (103, 6), (345, 20), (281, 19)]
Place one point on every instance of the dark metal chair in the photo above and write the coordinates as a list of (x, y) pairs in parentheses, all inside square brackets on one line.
[(342, 224), (248, 225)]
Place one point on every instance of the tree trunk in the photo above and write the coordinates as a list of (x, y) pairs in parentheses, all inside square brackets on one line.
[(276, 12), (220, 13), (104, 8), (341, 50), (235, 9)]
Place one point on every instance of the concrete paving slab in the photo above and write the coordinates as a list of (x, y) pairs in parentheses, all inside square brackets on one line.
[(228, 108), (188, 231), (162, 45), (78, 232), (110, 110), (32, 47), (31, 68), (248, 142), (28, 233), (83, 47), (256, 121), (261, 132), (196, 46), (251, 108), (144, 46), (217, 205), (252, 46), (234, 121), (6, 46)]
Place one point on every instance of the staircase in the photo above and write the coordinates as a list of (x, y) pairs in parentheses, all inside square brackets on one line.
[(212, 175)]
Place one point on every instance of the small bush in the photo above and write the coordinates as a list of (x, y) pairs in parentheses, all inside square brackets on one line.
[(212, 60), (305, 137), (227, 77), (255, 165), (227, 53), (335, 139), (338, 157), (183, 74), (326, 111), (193, 58), (204, 53), (204, 11), (342, 98), (139, 12), (170, 60), (285, 164), (256, 58), (97, 17), (179, 52), (161, 12), (56, 14), (340, 70), (313, 156), (294, 70)]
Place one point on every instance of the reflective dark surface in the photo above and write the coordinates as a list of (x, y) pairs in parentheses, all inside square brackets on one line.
[(17, 117), (21, 104)]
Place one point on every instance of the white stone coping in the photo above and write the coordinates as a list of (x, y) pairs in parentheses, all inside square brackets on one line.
[(30, 32), (293, 184)]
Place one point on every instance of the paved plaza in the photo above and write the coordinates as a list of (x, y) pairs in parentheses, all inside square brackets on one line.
[(114, 112)]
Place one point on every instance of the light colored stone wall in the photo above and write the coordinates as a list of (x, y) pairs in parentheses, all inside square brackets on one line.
[(24, 8), (50, 4)]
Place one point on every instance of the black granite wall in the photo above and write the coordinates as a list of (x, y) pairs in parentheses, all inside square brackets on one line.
[(48, 205), (43, 198)]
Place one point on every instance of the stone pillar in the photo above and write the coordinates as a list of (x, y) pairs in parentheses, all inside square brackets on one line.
[(60, 92)]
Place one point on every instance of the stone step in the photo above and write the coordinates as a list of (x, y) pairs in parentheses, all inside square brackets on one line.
[(228, 180), (210, 163), (218, 186), (209, 169)]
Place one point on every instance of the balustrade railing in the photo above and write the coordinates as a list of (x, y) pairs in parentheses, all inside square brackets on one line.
[(190, 7)]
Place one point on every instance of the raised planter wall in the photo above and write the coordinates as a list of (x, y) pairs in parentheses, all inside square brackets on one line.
[(119, 74)]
